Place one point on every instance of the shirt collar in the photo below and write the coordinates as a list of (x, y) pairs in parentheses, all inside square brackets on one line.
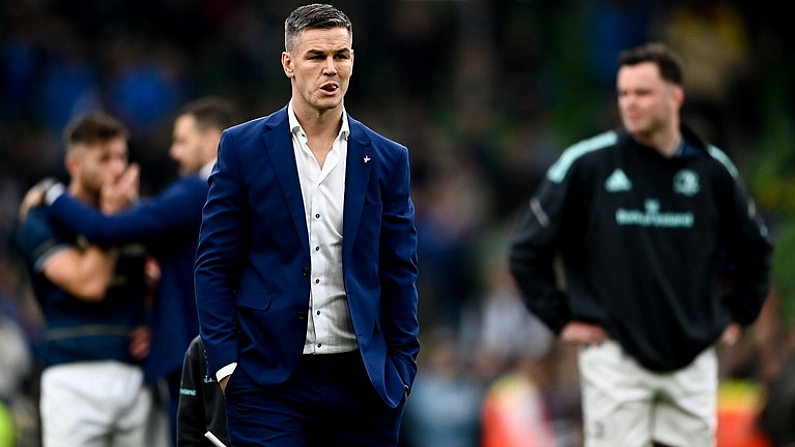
[(295, 126), (205, 171)]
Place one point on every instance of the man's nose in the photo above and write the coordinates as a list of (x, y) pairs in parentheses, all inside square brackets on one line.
[(330, 67)]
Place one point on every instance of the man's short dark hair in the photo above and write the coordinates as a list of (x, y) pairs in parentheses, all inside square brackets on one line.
[(669, 63), (316, 15), (211, 113), (94, 127)]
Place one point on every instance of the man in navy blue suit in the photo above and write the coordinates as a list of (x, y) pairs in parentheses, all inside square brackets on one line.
[(307, 264), (168, 225)]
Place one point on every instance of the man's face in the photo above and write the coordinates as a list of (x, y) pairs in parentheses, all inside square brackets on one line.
[(320, 67), (92, 164), (647, 103), (190, 146)]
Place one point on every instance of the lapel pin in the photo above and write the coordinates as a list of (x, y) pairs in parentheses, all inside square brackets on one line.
[(366, 158)]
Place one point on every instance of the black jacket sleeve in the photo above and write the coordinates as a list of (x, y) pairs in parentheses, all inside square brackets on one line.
[(533, 248), (193, 415), (748, 253)]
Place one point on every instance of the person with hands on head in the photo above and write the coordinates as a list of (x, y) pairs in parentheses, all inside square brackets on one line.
[(92, 299), (307, 262), (649, 220), (168, 225)]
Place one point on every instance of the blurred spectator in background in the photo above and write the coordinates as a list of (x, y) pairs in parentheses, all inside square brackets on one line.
[(16, 364), (778, 409), (445, 403), (515, 412), (712, 39), (168, 225), (612, 26), (642, 296), (512, 351), (507, 331), (92, 389), (541, 76), (145, 83), (71, 79), (740, 402)]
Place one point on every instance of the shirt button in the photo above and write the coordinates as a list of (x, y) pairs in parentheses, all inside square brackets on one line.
[(318, 312), (319, 345), (305, 271), (317, 248), (317, 216), (301, 315), (317, 281)]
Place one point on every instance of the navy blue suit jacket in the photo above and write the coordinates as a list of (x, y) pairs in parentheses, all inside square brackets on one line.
[(169, 227), (253, 262)]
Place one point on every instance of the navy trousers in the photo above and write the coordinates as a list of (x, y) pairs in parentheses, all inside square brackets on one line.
[(329, 401)]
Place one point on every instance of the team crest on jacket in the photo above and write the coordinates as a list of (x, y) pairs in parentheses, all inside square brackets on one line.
[(686, 183)]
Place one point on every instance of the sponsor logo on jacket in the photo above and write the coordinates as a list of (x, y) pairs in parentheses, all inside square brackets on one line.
[(653, 217)]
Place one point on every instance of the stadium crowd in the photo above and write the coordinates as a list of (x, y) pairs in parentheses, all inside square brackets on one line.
[(485, 94)]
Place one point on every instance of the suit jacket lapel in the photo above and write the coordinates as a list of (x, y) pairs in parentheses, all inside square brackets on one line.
[(279, 146), (359, 165)]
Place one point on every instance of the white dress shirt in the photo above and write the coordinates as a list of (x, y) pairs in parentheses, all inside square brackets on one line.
[(329, 325), (207, 169), (329, 328)]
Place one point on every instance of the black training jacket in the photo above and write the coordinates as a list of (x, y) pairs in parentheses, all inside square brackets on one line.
[(201, 401), (662, 252)]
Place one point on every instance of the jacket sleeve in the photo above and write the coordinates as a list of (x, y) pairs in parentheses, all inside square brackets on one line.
[(533, 249), (398, 273), (219, 257), (748, 253), (175, 209)]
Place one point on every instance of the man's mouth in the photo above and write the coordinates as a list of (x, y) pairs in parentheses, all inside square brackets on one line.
[(330, 87)]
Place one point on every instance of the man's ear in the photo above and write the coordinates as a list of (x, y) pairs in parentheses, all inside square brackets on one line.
[(287, 64), (70, 163), (212, 140), (679, 95)]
